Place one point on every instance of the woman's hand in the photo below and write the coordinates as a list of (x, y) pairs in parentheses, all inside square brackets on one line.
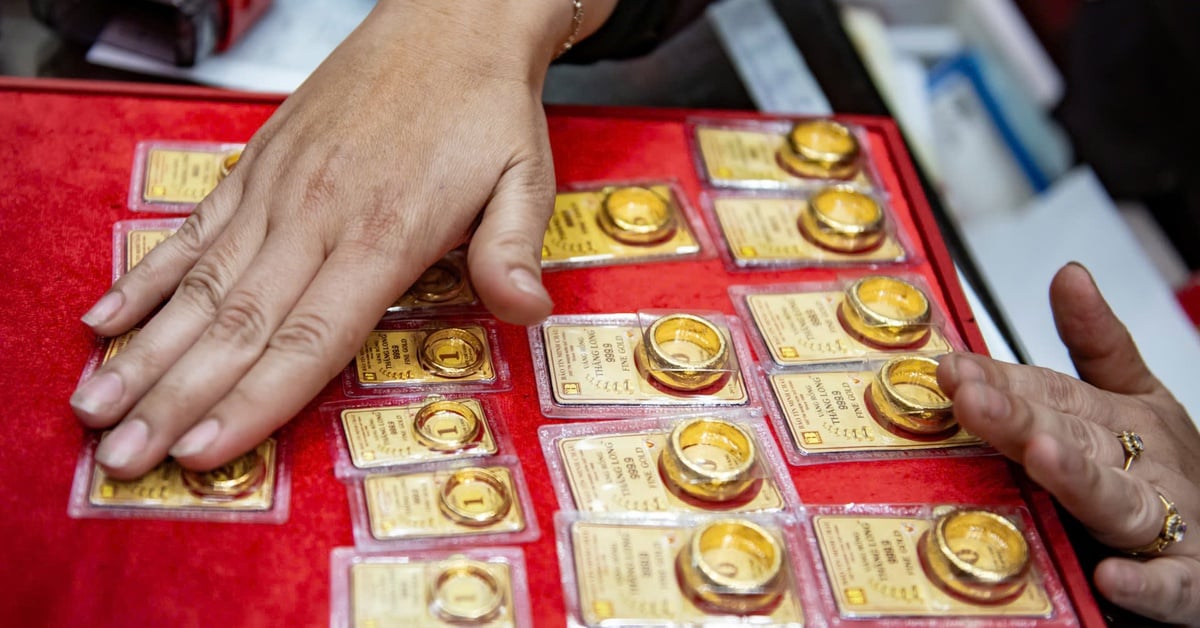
[(1065, 432)]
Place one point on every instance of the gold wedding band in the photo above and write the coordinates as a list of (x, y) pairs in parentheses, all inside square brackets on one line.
[(685, 352), (446, 426), (709, 459), (733, 565), (1133, 445), (842, 219), (1173, 529), (977, 555), (439, 283), (229, 162), (452, 353), (636, 215), (474, 497), (820, 148), (887, 311), (465, 591), (230, 480), (906, 394)]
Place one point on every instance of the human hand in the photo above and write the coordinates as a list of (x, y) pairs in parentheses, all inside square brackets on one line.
[(1065, 433), (371, 171)]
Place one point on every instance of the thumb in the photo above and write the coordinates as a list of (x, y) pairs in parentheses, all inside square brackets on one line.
[(505, 254)]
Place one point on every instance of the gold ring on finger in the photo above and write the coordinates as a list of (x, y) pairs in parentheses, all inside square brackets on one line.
[(1133, 445), (1172, 531)]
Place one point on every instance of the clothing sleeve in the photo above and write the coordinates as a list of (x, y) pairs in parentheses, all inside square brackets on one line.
[(635, 28)]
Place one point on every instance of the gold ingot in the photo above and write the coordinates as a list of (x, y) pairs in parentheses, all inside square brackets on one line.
[(821, 149), (229, 162), (465, 591), (842, 219), (684, 352), (446, 426), (733, 565), (439, 283), (709, 458), (452, 353), (230, 480), (977, 555), (636, 215), (887, 311), (474, 497), (906, 394)]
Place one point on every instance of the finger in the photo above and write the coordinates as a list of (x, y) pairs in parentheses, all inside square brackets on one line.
[(314, 342), (1166, 588), (248, 316), (505, 252)]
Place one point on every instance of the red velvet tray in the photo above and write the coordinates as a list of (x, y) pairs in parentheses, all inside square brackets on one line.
[(68, 148)]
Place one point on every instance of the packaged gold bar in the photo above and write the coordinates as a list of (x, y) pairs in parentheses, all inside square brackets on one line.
[(442, 355), (463, 503), (173, 177), (484, 587), (252, 488), (785, 154), (943, 562), (620, 223), (444, 288), (388, 432), (133, 239), (855, 318), (712, 570), (722, 461), (886, 409), (630, 365)]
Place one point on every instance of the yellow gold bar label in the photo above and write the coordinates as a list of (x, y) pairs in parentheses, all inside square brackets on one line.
[(767, 230), (181, 176), (138, 243), (383, 436), (392, 357), (574, 233), (407, 506), (741, 156), (397, 595)]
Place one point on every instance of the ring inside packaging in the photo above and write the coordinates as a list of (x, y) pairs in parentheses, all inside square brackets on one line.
[(887, 311), (636, 215), (842, 219), (464, 591), (452, 352), (732, 565), (820, 148), (977, 555), (474, 497), (905, 394), (710, 459), (685, 352), (447, 425)]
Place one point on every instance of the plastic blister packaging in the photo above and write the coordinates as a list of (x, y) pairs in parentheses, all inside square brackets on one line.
[(444, 288), (631, 365), (428, 356), (485, 587), (133, 239), (622, 222), (174, 176), (722, 461), (369, 435), (888, 565)]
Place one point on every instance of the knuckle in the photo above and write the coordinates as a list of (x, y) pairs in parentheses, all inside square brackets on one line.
[(202, 287), (192, 236), (308, 335), (241, 321)]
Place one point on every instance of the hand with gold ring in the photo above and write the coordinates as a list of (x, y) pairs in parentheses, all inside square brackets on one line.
[(1114, 447)]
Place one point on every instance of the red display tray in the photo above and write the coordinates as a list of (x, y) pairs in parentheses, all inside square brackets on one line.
[(68, 148)]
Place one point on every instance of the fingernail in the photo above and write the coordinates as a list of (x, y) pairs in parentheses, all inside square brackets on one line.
[(98, 393), (103, 309), (197, 439), (122, 444), (524, 281)]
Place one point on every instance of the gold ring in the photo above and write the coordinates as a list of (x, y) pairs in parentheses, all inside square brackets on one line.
[(230, 480), (842, 219), (1173, 529), (1133, 445), (887, 311), (636, 215), (229, 162), (452, 352), (977, 555), (820, 148), (906, 394), (733, 565), (439, 283), (685, 352), (474, 497), (465, 591), (446, 426), (709, 459)]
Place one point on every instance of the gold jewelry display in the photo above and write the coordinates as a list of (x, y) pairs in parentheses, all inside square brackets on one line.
[(452, 353), (441, 282), (821, 149), (636, 215), (446, 426), (733, 565), (887, 311), (906, 394), (235, 478), (474, 497), (1173, 529), (1133, 445), (229, 162), (977, 555), (709, 459), (842, 219), (684, 352), (465, 591)]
